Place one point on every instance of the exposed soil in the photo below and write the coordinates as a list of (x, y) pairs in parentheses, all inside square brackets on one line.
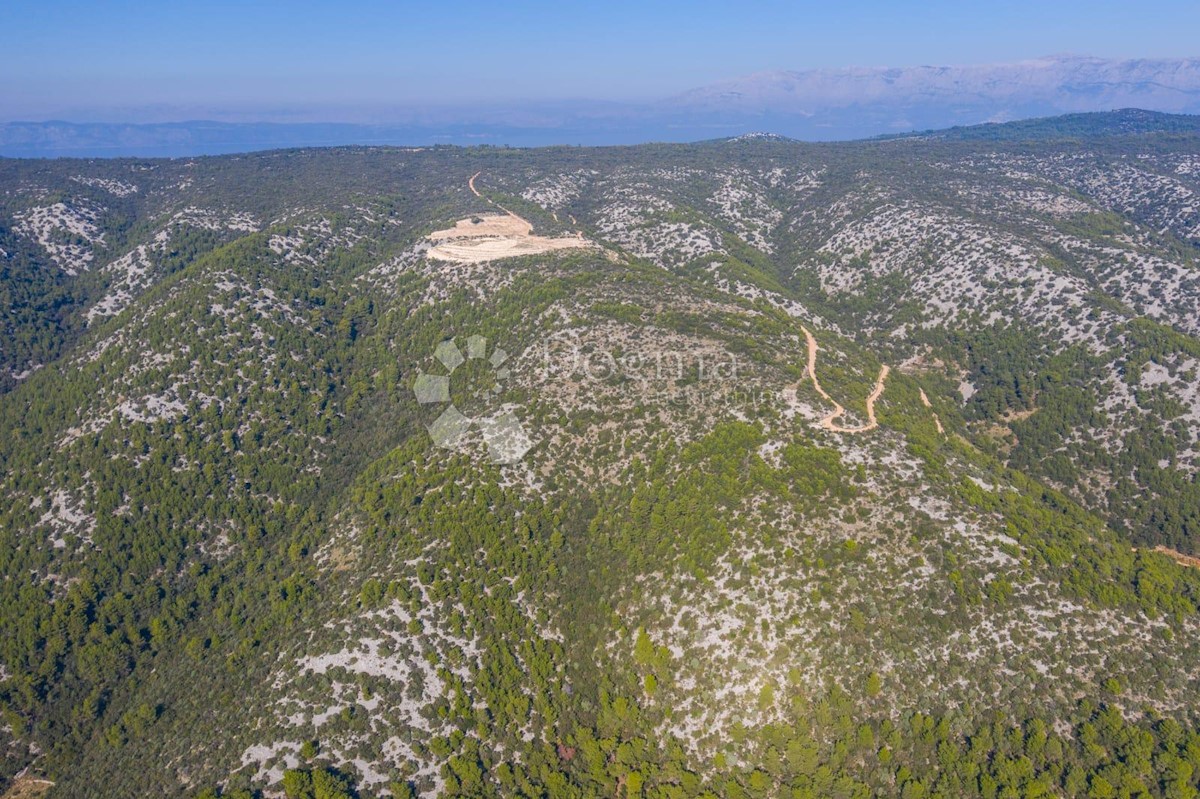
[(925, 401), (829, 422), (27, 788), (490, 237), (1179, 557)]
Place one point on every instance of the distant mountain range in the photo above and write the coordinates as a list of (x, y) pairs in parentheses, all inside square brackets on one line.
[(1053, 84), (820, 104)]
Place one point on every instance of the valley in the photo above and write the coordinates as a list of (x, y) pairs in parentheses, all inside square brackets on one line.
[(855, 469)]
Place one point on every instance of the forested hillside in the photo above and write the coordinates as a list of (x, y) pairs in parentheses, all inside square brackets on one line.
[(748, 468)]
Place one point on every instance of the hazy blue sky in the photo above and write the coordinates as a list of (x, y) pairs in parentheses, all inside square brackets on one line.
[(75, 59)]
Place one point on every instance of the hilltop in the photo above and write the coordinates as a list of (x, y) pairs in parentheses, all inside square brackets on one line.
[(751, 467)]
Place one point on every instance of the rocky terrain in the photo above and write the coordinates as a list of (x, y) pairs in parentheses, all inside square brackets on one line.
[(845, 470)]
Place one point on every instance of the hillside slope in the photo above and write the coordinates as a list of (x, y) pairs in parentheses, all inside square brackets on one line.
[(292, 505)]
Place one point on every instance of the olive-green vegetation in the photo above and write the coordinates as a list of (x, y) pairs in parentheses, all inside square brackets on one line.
[(234, 563)]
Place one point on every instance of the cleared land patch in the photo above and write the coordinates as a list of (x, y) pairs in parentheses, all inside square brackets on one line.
[(495, 236), (490, 237)]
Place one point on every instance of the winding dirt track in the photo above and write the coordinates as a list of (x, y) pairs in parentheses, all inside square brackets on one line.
[(24, 787), (495, 204), (925, 401), (830, 422), (1178, 557), (471, 183), (492, 202)]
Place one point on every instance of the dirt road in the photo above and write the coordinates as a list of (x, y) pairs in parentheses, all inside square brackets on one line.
[(925, 401), (829, 422), (493, 203)]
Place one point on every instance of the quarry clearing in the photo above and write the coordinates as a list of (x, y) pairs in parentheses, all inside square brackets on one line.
[(490, 237)]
